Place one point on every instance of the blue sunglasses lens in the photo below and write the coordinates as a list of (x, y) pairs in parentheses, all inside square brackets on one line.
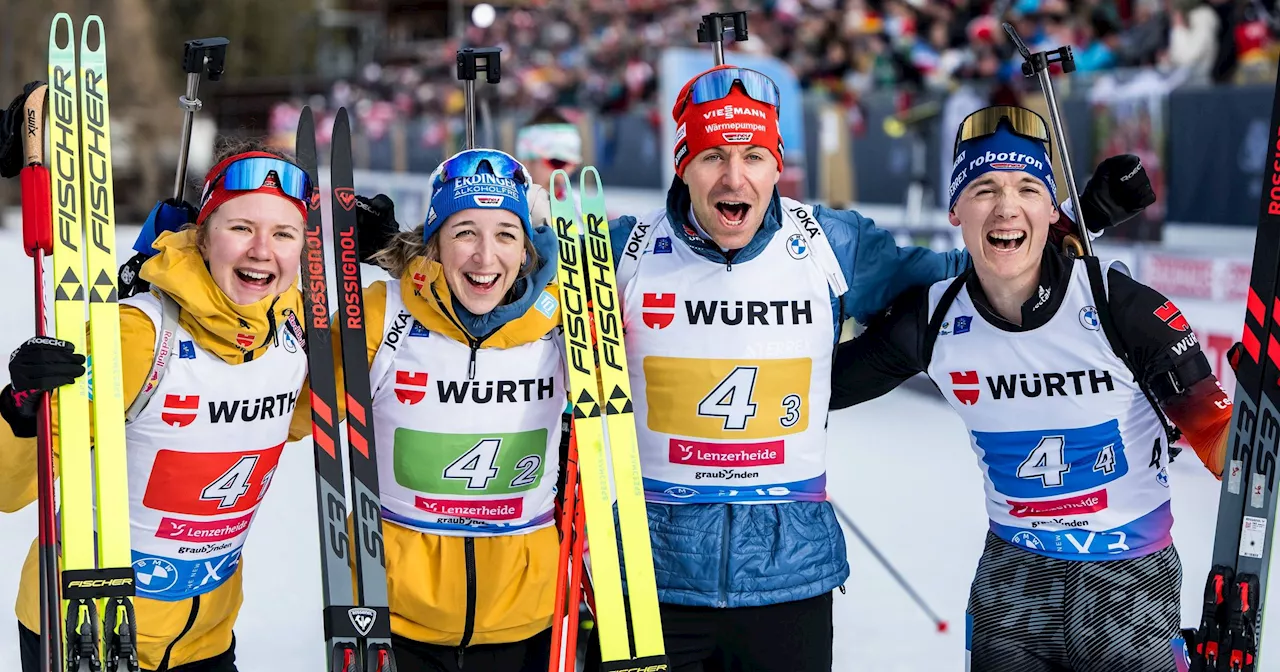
[(469, 163), (716, 85), (250, 174)]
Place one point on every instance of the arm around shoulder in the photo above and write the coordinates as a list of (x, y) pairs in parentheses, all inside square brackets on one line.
[(887, 353), (876, 269)]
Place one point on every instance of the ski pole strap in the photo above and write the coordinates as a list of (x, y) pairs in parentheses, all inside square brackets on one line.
[(1098, 287), (163, 349)]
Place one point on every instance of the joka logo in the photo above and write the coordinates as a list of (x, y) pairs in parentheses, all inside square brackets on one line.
[(966, 395), (244, 340), (362, 618), (658, 319), (411, 386), (179, 410), (1171, 316), (346, 197)]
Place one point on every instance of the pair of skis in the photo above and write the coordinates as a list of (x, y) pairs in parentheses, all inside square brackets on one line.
[(357, 620), (86, 603), (600, 395), (1231, 624)]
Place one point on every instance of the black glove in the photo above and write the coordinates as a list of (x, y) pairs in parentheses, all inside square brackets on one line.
[(12, 123), (375, 224), (40, 365), (1117, 191)]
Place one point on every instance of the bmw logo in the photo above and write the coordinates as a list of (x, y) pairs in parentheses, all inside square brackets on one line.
[(797, 247), (1089, 318)]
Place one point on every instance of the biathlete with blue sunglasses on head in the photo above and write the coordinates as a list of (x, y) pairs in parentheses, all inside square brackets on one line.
[(733, 299), (200, 462), (1064, 371), (468, 380)]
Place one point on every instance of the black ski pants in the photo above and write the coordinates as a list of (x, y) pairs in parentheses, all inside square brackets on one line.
[(530, 655), (787, 637)]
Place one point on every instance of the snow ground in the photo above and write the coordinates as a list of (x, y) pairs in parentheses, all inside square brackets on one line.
[(900, 466)]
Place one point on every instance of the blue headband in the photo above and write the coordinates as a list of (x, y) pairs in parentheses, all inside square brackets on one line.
[(1002, 150)]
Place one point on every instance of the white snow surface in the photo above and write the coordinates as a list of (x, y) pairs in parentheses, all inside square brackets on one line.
[(900, 466)]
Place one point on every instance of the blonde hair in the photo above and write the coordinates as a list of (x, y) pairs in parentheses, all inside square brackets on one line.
[(406, 246), (226, 148)]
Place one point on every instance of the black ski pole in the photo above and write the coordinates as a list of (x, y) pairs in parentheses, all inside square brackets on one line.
[(938, 622)]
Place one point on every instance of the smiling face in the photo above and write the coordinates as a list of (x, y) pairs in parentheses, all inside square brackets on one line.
[(731, 186), (1004, 218), (481, 251), (252, 246)]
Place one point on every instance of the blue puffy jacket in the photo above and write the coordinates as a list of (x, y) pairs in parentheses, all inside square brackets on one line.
[(735, 555)]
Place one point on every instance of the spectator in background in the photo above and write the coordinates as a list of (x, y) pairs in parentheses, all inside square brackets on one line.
[(549, 142), (1102, 41), (1193, 37)]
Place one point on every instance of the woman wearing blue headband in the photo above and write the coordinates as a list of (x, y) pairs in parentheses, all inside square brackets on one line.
[(468, 395), (1070, 377)]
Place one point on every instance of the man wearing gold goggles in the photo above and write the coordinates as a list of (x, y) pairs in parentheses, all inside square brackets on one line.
[(1069, 376)]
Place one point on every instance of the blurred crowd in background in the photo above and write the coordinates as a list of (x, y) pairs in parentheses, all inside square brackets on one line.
[(601, 54)]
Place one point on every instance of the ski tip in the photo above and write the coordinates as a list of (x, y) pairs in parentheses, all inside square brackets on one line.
[(558, 177), (89, 23), (341, 117), (60, 19), (594, 181)]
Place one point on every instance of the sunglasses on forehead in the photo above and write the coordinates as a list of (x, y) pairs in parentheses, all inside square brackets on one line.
[(987, 121)]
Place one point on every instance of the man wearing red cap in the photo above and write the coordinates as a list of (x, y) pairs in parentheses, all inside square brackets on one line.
[(733, 302)]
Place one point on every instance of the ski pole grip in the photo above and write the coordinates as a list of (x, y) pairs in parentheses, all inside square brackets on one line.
[(33, 126), (37, 210)]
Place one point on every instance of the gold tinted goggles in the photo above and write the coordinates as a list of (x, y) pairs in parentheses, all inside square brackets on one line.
[(984, 122)]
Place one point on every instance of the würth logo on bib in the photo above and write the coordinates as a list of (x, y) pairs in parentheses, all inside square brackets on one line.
[(964, 384), (244, 340), (411, 386), (1171, 316), (179, 410), (659, 310)]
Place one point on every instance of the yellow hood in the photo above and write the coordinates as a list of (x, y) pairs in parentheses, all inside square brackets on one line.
[(233, 332), (425, 293)]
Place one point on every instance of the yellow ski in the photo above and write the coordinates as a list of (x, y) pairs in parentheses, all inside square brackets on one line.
[(97, 572), (115, 560), (579, 266)]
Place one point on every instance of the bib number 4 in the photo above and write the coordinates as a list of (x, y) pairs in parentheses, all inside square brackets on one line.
[(733, 400), (479, 465), (228, 488)]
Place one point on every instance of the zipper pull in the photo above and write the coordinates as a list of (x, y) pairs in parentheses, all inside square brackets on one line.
[(471, 368), (460, 652), (728, 266)]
